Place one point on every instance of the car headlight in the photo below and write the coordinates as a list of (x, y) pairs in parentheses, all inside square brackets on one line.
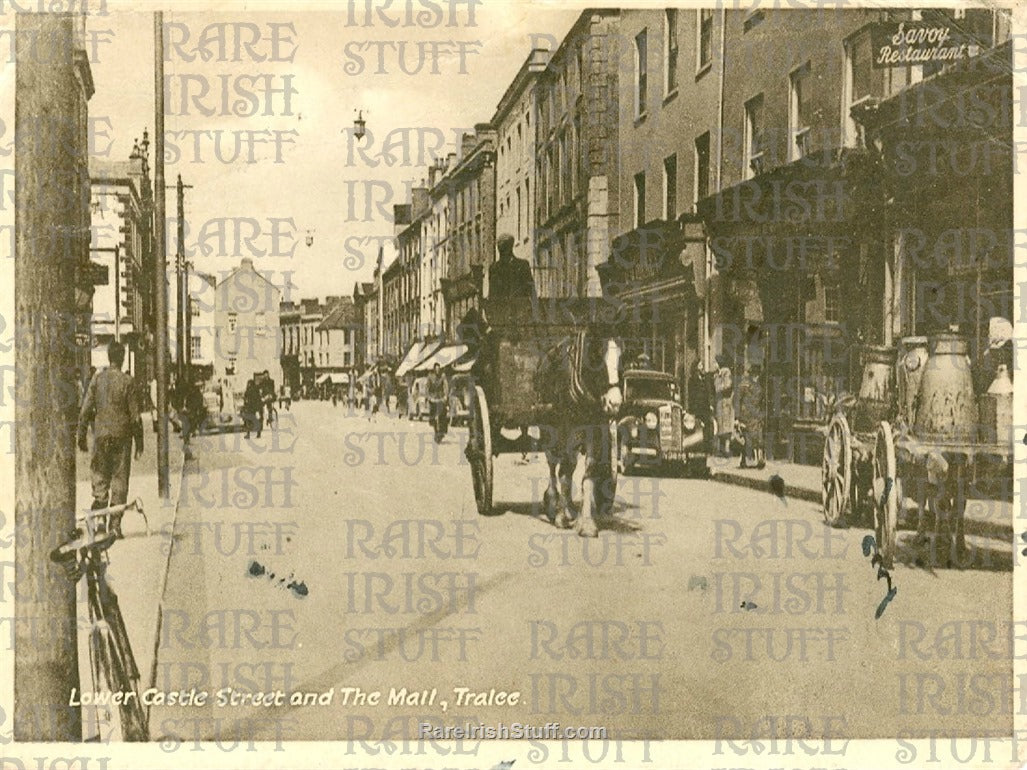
[(688, 421), (651, 420), (634, 430)]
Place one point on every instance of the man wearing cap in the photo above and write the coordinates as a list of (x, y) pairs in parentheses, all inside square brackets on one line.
[(111, 405)]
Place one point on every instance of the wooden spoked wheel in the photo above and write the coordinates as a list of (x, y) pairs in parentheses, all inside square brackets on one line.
[(886, 494), (479, 452), (836, 471)]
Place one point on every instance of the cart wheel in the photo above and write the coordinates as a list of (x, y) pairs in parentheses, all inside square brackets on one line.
[(836, 471), (886, 494), (479, 452)]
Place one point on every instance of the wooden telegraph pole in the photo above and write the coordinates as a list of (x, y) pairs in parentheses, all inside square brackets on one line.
[(48, 224), (160, 258)]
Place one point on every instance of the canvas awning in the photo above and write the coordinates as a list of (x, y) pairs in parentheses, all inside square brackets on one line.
[(444, 356), (339, 378), (364, 377), (414, 354), (465, 363), (427, 351), (322, 379)]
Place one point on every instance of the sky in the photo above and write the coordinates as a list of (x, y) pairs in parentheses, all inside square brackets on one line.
[(257, 160)]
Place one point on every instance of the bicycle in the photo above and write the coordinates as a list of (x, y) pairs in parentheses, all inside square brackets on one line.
[(110, 653), (272, 414)]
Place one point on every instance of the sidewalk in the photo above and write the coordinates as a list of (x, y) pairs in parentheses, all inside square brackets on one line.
[(984, 517), (138, 563)]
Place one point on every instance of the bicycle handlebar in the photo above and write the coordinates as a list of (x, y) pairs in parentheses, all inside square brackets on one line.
[(114, 510), (90, 538)]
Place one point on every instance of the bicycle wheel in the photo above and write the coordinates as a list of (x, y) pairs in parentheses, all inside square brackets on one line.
[(114, 661), (120, 669)]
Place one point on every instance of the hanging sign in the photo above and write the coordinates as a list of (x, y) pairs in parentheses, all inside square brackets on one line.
[(904, 43)]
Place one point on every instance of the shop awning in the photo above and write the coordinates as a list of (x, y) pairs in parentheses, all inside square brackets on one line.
[(465, 363), (444, 356), (364, 377), (322, 379), (339, 378), (427, 351), (413, 355)]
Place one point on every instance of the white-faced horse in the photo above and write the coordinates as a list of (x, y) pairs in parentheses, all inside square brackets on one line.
[(582, 376)]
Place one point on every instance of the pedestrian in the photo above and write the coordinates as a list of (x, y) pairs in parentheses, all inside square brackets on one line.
[(438, 402), (750, 407), (111, 406), (724, 390), (253, 408), (153, 402)]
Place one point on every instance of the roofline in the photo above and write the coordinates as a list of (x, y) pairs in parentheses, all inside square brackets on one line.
[(529, 70)]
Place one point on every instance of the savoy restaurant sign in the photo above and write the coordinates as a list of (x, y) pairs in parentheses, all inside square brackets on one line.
[(903, 43)]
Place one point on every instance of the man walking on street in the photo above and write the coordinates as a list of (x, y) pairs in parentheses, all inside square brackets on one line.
[(112, 407), (253, 408)]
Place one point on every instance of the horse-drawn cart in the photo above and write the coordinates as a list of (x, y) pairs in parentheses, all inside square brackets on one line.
[(541, 373), (917, 431)]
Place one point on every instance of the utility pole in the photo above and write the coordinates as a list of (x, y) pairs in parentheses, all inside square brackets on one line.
[(48, 232), (160, 258), (182, 325)]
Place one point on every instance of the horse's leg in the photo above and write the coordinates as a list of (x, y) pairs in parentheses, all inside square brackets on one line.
[(551, 497), (565, 516), (587, 526)]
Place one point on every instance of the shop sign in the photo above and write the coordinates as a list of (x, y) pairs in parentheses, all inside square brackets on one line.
[(904, 43)]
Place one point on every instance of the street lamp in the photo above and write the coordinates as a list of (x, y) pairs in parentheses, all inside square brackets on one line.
[(359, 125), (310, 238)]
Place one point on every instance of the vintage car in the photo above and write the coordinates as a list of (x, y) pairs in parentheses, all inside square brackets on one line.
[(461, 388), (655, 430)]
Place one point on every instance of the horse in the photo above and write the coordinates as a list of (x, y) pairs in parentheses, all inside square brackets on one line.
[(582, 375)]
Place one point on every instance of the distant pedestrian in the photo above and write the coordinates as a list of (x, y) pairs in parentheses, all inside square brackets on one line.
[(253, 409), (111, 405), (724, 390), (750, 408)]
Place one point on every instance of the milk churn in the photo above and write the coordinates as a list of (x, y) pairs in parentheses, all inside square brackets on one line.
[(997, 409), (875, 387), (947, 408), (909, 371)]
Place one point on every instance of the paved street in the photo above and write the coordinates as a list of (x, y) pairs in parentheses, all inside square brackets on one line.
[(338, 553)]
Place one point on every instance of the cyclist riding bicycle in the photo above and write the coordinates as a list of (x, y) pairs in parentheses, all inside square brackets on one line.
[(438, 401)]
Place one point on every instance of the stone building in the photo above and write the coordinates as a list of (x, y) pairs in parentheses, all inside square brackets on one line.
[(514, 123), (247, 334), (471, 186), (577, 187)]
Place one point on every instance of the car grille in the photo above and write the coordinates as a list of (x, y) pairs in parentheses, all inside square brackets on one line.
[(670, 427)]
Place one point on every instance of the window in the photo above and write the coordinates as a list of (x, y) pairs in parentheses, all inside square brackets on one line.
[(704, 45), (232, 317), (670, 187), (832, 301), (753, 148), (194, 347), (640, 199), (702, 166), (194, 308), (518, 212), (641, 73), (670, 51), (798, 113), (857, 83)]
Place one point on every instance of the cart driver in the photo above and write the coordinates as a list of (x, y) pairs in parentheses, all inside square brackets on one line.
[(510, 276)]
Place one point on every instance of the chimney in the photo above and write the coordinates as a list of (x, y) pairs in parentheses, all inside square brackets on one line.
[(419, 195)]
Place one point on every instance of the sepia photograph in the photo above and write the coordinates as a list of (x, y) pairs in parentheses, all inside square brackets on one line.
[(506, 385)]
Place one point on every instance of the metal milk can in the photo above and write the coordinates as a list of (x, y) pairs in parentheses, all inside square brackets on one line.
[(947, 408), (909, 369), (875, 387)]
